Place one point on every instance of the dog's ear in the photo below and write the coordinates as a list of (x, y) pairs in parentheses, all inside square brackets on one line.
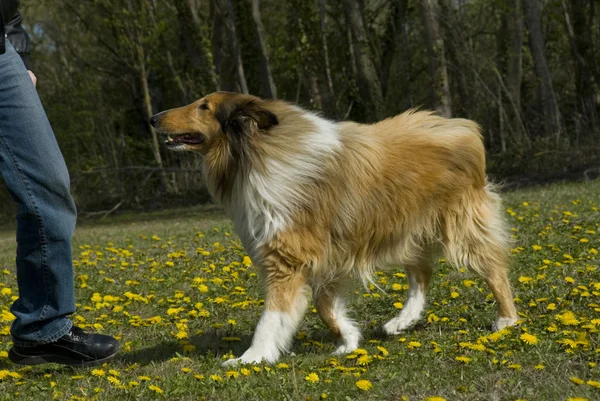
[(246, 118)]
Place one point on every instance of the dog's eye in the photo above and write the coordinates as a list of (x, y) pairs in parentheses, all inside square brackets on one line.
[(203, 106)]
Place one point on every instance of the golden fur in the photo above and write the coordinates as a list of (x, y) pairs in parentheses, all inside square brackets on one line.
[(315, 202)]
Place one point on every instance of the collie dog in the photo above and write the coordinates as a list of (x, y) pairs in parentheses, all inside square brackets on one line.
[(316, 202)]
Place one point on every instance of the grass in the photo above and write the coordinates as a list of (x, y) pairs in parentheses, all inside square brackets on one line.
[(178, 291)]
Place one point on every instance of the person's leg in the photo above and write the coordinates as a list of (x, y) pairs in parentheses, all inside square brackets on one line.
[(36, 176)]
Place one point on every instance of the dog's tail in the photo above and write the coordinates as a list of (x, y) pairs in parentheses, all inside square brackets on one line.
[(476, 234)]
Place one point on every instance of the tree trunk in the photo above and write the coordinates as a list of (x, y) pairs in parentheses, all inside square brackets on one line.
[(438, 70), (269, 89), (510, 60), (514, 71), (324, 46), (235, 48), (579, 29), (459, 57), (199, 55), (392, 40), (538, 51), (367, 79), (305, 23), (147, 111)]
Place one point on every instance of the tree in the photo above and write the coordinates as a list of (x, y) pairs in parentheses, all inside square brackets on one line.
[(269, 88), (552, 122), (578, 19), (197, 48), (438, 70), (367, 78), (225, 45)]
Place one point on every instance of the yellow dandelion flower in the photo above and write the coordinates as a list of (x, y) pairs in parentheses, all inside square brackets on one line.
[(245, 372), (539, 366), (464, 359), (364, 360), (568, 318), (144, 378), (529, 339), (525, 279), (515, 366), (384, 351), (576, 380), (434, 399), (594, 383), (156, 389), (98, 372), (232, 374), (114, 380), (398, 305), (414, 344), (536, 247), (577, 399), (364, 385), (283, 366), (216, 378), (133, 383), (312, 377)]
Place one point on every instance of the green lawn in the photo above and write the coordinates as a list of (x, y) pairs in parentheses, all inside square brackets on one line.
[(177, 291)]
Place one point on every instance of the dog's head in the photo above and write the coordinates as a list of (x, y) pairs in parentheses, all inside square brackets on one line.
[(221, 117)]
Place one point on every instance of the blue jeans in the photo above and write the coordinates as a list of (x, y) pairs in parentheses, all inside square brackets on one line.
[(37, 179)]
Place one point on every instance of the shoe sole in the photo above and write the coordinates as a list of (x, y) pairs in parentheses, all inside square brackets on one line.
[(19, 359)]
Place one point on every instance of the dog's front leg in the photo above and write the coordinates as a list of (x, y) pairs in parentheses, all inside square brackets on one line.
[(285, 305)]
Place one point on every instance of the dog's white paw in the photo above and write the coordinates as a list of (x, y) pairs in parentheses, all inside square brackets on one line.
[(503, 322), (345, 349), (231, 362), (397, 325), (251, 356)]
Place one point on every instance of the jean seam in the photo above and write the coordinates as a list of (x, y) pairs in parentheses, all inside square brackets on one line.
[(41, 232)]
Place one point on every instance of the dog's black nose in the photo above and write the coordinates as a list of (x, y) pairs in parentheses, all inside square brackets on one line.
[(153, 120)]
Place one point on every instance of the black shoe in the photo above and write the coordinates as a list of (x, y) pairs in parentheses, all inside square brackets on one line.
[(76, 348)]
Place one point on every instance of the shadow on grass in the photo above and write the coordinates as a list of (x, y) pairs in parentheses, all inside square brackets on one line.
[(213, 345), (210, 344)]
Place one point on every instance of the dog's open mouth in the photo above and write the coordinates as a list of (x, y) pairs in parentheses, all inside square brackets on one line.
[(184, 139)]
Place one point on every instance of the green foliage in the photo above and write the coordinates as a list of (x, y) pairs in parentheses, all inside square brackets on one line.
[(92, 58)]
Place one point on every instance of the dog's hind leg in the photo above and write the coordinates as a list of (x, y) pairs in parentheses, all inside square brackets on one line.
[(419, 276), (285, 305), (331, 306), (476, 237)]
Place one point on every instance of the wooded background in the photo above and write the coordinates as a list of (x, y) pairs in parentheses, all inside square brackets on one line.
[(527, 71)]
